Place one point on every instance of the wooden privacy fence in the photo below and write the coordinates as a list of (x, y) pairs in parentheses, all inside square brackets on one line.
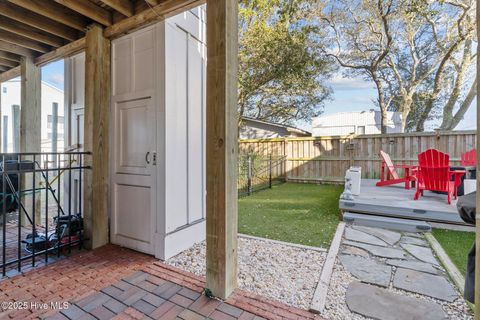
[(325, 159)]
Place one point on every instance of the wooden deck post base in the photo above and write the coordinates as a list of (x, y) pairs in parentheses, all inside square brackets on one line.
[(222, 146), (97, 106)]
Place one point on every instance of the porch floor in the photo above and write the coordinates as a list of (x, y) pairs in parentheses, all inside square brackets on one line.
[(114, 282), (396, 201)]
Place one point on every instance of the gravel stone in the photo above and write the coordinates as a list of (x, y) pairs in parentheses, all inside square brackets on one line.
[(281, 272)]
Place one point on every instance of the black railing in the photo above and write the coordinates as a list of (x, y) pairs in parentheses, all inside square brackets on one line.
[(41, 207), (257, 173)]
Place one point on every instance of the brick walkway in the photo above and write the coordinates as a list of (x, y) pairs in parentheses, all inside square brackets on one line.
[(112, 282)]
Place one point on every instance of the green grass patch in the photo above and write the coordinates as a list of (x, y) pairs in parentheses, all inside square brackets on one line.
[(456, 244), (306, 214)]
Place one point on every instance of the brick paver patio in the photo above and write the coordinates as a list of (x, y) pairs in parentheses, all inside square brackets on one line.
[(117, 283)]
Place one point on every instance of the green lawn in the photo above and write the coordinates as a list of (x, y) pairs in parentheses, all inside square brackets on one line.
[(456, 244), (299, 213)]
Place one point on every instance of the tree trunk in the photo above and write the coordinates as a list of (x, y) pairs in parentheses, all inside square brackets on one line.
[(472, 93), (381, 103)]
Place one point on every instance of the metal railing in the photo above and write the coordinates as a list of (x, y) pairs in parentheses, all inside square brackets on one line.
[(257, 173), (41, 207)]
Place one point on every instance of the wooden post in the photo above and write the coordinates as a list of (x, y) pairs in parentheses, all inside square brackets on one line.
[(222, 146), (5, 134), (30, 129), (477, 217), (54, 130), (97, 108), (16, 128)]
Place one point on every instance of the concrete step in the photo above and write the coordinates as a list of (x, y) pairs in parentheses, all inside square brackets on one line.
[(367, 220)]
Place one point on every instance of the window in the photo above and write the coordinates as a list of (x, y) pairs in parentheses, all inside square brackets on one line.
[(360, 129), (4, 89)]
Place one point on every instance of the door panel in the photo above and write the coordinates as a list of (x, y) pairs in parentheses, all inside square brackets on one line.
[(133, 178)]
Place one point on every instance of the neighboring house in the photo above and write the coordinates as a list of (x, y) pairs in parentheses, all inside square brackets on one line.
[(358, 122), (10, 102), (257, 129)]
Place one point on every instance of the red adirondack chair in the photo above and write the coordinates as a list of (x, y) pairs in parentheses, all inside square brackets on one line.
[(434, 174), (392, 176), (469, 158)]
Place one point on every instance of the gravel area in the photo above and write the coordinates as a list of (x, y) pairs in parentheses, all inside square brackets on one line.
[(336, 307), (281, 272)]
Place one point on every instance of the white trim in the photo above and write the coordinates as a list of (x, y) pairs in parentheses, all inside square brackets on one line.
[(320, 296)]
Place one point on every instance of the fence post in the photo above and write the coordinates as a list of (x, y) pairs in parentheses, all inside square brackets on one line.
[(270, 171), (249, 175)]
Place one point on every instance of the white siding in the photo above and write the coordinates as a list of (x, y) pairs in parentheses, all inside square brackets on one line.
[(345, 123)]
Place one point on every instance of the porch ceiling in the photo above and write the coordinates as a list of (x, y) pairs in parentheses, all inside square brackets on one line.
[(51, 29)]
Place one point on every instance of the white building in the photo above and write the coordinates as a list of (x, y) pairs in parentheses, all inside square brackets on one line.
[(258, 129), (10, 103), (356, 122)]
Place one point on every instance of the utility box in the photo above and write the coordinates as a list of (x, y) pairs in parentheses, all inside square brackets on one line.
[(354, 174)]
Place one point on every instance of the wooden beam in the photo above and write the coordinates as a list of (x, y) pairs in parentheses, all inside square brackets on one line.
[(13, 48), (10, 56), (29, 32), (125, 7), (152, 2), (10, 74), (30, 126), (477, 217), (164, 10), (23, 42), (4, 68), (62, 52), (96, 133), (8, 63), (55, 12), (222, 146), (37, 21), (89, 9)]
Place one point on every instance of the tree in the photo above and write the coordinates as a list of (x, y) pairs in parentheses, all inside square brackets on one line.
[(409, 49), (361, 41), (281, 76)]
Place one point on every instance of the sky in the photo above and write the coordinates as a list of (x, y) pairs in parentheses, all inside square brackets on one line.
[(356, 94), (53, 73)]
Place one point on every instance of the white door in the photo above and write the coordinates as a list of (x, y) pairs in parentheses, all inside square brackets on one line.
[(133, 174)]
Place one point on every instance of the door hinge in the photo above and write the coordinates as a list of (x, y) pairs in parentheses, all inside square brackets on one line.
[(154, 159)]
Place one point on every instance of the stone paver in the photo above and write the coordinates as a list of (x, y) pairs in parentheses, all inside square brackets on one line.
[(421, 253), (367, 270), (424, 283), (355, 251), (389, 236), (377, 303), (414, 241), (360, 236), (413, 265), (410, 266), (384, 252)]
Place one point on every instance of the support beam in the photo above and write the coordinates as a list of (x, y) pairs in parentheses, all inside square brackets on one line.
[(30, 129), (89, 9), (10, 56), (477, 216), (10, 74), (13, 38), (125, 7), (97, 112), (13, 48), (55, 12), (222, 146), (26, 31), (62, 52), (37, 21), (164, 10), (8, 63)]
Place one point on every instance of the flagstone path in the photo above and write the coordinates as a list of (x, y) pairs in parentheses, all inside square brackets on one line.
[(388, 275)]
